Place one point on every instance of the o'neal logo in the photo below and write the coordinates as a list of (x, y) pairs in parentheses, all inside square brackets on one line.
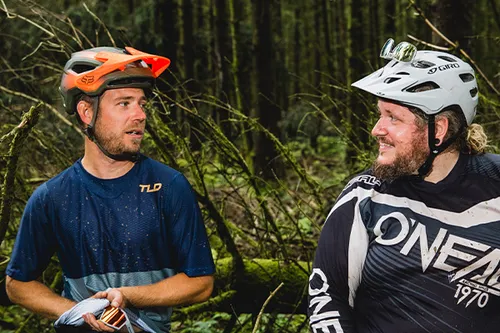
[(482, 262), (322, 320), (443, 68)]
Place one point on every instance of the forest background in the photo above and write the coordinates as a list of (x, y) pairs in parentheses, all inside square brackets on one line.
[(256, 109)]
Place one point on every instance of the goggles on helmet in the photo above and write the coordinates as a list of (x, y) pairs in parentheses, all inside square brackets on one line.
[(404, 51)]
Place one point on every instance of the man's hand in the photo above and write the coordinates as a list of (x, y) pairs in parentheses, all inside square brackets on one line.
[(115, 296), (117, 300), (95, 324)]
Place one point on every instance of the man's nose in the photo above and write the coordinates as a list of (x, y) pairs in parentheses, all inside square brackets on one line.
[(379, 129), (139, 114)]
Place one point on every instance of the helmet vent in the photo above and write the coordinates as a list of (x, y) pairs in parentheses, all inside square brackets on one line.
[(402, 73), (423, 87), (422, 64), (391, 79), (473, 92), (81, 68), (445, 58), (466, 77)]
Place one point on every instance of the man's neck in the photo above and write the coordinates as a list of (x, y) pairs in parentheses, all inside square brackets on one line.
[(101, 166), (442, 166)]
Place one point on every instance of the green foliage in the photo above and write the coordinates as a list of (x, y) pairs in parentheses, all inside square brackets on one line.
[(246, 216), (275, 323)]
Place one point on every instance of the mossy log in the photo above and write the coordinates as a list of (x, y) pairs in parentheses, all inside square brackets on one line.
[(246, 292)]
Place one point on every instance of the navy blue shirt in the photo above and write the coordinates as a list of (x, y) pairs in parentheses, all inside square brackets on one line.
[(133, 230)]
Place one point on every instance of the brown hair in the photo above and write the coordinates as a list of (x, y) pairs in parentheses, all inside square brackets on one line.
[(470, 140)]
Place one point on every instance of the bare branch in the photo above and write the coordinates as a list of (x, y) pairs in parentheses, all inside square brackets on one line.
[(21, 132), (257, 322), (434, 46), (100, 22), (50, 107), (12, 16)]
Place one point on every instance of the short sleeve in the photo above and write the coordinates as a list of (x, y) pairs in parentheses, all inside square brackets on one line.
[(35, 242), (187, 233)]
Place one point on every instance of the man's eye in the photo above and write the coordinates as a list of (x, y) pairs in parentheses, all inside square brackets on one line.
[(123, 103)]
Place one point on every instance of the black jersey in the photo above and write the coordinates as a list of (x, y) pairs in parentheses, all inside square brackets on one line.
[(411, 256)]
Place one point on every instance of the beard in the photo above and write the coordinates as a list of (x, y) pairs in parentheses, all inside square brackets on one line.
[(404, 164), (112, 142)]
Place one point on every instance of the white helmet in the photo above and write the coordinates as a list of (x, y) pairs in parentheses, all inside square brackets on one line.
[(452, 82)]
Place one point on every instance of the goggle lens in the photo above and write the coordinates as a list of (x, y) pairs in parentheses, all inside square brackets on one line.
[(404, 51)]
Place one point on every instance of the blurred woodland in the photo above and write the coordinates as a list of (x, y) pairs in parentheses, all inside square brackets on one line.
[(256, 110)]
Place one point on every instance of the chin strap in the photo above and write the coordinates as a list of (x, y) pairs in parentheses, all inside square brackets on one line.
[(425, 168), (90, 133)]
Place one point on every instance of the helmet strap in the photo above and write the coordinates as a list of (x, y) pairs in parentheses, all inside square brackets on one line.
[(89, 130), (425, 168), (90, 133)]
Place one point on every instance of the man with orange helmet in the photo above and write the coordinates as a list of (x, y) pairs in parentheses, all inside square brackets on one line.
[(127, 229), (411, 244)]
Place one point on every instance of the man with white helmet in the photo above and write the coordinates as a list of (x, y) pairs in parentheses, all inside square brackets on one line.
[(127, 229), (411, 244)]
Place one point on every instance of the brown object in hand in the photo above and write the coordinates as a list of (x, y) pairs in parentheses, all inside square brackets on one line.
[(113, 316), (108, 314), (118, 322)]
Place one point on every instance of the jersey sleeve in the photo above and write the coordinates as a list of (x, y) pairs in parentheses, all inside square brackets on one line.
[(337, 269), (35, 243), (188, 236)]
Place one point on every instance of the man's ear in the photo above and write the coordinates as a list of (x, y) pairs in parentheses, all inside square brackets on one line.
[(442, 125), (85, 111)]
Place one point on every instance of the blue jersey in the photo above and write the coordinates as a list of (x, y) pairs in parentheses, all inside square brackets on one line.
[(133, 230), (412, 256)]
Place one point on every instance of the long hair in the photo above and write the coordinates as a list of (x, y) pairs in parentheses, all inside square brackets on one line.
[(471, 139)]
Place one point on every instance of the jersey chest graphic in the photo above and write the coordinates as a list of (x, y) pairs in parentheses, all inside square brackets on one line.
[(461, 264)]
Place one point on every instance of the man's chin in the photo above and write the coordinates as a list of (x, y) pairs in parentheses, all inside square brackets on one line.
[(389, 170), (384, 160)]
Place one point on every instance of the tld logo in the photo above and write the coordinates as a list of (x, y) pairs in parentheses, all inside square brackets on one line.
[(156, 187)]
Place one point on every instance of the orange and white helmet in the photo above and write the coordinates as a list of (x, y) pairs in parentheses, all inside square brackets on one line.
[(95, 70)]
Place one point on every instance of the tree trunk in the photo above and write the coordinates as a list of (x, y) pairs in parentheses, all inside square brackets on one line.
[(318, 56), (358, 134), (390, 19), (165, 24), (375, 44), (325, 8), (297, 48), (244, 71), (190, 85), (281, 71), (422, 30), (454, 19), (224, 56), (266, 160), (341, 49)]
